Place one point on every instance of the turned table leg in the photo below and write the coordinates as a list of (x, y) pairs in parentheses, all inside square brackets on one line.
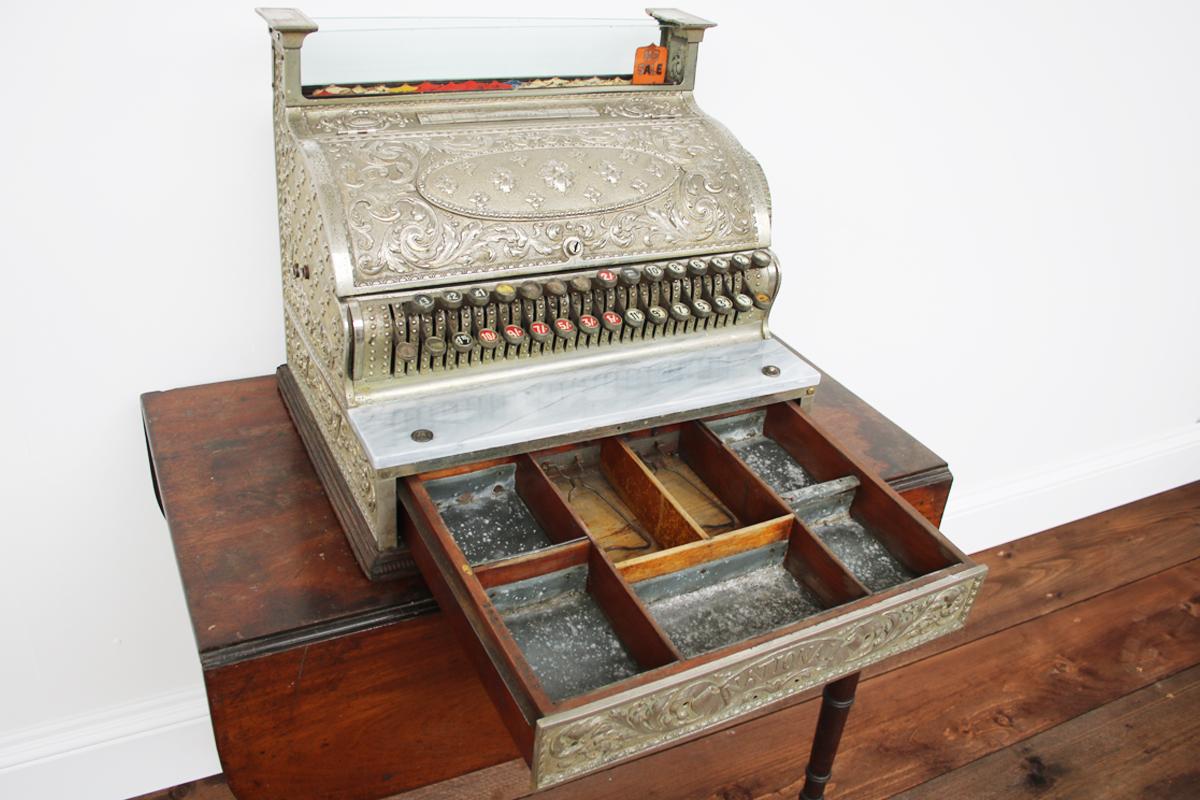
[(835, 707)]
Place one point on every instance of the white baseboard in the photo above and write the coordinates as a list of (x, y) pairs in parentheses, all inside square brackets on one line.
[(1060, 493), (115, 753), (166, 740)]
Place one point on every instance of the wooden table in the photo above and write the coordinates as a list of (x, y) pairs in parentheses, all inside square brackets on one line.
[(324, 684)]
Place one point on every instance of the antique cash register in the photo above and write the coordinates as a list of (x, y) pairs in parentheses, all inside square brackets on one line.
[(528, 353)]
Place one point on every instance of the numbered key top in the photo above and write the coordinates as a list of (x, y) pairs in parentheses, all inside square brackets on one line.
[(515, 338), (564, 334), (489, 341), (540, 336), (589, 329), (611, 322)]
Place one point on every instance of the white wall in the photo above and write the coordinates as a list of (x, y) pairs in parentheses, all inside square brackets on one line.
[(988, 214)]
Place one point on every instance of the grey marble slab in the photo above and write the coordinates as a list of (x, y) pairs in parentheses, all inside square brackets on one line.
[(561, 405)]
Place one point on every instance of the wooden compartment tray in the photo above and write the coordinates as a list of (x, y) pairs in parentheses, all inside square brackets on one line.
[(628, 593)]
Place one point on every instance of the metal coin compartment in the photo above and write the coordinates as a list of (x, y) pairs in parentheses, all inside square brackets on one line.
[(633, 591), (826, 491)]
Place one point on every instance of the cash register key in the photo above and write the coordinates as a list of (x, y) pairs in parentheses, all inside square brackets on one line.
[(406, 357), (721, 280), (681, 314), (504, 293), (629, 277), (741, 304), (741, 262), (653, 273), (450, 300), (419, 304), (564, 333), (539, 335), (434, 353), (581, 295), (589, 326), (723, 307), (530, 290), (611, 321), (555, 291), (761, 259), (489, 340), (514, 336), (676, 271), (478, 296), (581, 284), (656, 318), (701, 309), (697, 267), (762, 300), (462, 344), (634, 320), (606, 279)]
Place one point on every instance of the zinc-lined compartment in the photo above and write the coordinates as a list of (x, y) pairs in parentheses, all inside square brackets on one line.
[(601, 562)]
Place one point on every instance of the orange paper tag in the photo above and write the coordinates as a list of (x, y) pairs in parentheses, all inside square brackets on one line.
[(650, 64)]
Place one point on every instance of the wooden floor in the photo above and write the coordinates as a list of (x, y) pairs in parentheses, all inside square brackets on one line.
[(1077, 676)]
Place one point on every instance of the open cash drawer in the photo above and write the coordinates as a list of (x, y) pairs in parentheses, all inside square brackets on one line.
[(627, 593)]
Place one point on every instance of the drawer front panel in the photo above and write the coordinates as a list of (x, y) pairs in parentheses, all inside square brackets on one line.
[(604, 733)]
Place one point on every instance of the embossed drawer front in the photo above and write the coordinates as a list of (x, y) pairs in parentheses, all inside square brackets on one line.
[(624, 594)]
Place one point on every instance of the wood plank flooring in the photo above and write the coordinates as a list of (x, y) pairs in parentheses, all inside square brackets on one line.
[(1077, 676)]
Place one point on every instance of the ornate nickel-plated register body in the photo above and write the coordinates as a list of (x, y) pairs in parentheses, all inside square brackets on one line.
[(528, 352)]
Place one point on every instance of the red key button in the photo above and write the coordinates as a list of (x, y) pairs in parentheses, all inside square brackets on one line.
[(564, 327), (514, 334)]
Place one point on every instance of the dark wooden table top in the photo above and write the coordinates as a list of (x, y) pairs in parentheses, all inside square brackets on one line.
[(263, 560)]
